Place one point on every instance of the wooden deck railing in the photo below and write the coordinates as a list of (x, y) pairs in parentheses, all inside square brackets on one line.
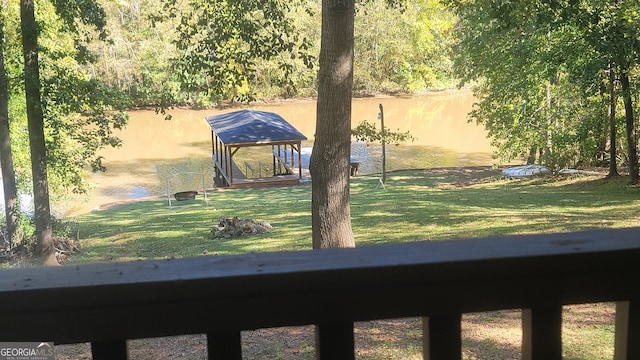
[(220, 296)]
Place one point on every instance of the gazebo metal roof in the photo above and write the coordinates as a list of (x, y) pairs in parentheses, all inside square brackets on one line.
[(246, 127), (234, 130)]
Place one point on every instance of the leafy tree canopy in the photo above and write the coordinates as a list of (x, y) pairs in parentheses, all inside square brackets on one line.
[(368, 132), (219, 43), (540, 70), (80, 111), (399, 48)]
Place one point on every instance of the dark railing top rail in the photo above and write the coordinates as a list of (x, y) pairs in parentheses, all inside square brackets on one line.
[(102, 302)]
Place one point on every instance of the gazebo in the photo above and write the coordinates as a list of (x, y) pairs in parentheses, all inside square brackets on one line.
[(245, 128)]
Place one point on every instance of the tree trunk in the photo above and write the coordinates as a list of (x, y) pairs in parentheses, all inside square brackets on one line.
[(6, 155), (45, 250), (631, 129), (531, 159), (329, 164), (613, 99)]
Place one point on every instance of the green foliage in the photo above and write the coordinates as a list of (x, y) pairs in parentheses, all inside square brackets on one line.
[(540, 71), (26, 232), (403, 49), (219, 42), (80, 111), (164, 54), (74, 13), (136, 59), (367, 132)]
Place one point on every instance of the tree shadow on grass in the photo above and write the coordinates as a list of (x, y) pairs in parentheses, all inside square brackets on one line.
[(455, 203)]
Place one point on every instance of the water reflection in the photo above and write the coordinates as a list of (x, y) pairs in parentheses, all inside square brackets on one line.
[(160, 156)]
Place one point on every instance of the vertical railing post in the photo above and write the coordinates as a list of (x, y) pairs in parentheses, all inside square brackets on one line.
[(627, 346), (542, 333), (441, 337), (109, 350), (334, 341), (225, 345)]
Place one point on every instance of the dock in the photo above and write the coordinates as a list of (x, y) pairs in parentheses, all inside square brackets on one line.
[(285, 174), (284, 157), (240, 180), (305, 155)]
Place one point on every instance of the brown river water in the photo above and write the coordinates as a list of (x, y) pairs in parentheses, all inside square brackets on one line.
[(160, 156)]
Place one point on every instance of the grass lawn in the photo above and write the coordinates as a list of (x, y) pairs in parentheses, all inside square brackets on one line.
[(435, 204), (415, 205)]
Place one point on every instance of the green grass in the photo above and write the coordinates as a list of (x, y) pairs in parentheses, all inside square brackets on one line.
[(415, 205), (150, 229)]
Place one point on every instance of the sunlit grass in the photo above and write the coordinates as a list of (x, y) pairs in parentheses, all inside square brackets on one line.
[(414, 205), (590, 333)]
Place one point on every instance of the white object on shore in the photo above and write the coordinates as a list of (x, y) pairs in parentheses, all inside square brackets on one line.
[(526, 171)]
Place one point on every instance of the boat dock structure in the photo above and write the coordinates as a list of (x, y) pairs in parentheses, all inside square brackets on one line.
[(233, 131)]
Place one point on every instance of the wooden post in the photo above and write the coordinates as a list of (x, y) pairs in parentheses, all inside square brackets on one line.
[(335, 341), (225, 346), (384, 142), (300, 160), (168, 194), (273, 151), (441, 337), (627, 346), (109, 350), (542, 333)]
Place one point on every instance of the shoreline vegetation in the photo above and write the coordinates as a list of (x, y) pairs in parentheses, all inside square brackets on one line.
[(427, 204)]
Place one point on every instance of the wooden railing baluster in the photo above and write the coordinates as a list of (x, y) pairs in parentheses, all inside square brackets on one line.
[(621, 343), (334, 341), (441, 337), (627, 346), (109, 350), (542, 333), (225, 345)]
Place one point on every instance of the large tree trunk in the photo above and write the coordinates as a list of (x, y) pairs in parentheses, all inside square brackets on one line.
[(6, 156), (631, 129), (329, 164), (613, 99), (45, 250)]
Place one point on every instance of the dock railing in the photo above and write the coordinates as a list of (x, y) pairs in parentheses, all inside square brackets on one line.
[(107, 304)]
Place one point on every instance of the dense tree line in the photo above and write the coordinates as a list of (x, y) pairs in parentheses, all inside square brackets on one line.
[(550, 76), (153, 42)]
